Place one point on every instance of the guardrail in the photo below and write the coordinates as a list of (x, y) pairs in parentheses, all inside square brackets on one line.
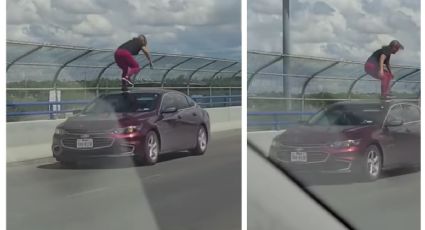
[(275, 122), (234, 100)]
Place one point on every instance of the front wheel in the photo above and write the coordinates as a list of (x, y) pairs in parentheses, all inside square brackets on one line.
[(372, 164), (201, 141), (150, 150)]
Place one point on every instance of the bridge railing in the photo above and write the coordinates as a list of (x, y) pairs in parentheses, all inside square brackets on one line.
[(203, 101), (274, 120)]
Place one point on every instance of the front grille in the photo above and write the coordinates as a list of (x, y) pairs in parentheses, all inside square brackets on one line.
[(97, 142), (314, 155), (83, 131)]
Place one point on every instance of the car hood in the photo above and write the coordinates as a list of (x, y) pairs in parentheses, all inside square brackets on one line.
[(105, 121), (316, 135)]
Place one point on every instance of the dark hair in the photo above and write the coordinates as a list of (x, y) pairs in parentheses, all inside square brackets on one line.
[(143, 37), (396, 44)]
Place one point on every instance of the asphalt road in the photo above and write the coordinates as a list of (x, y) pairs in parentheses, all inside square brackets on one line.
[(390, 203), (180, 192)]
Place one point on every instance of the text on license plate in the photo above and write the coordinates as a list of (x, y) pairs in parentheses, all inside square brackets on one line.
[(298, 156), (84, 143)]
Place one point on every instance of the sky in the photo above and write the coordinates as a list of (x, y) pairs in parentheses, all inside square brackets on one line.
[(340, 29), (192, 27)]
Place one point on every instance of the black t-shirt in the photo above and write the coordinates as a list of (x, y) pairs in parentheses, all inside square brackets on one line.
[(134, 46), (377, 55)]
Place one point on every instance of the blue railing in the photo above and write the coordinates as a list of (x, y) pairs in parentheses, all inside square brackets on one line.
[(207, 101), (275, 121)]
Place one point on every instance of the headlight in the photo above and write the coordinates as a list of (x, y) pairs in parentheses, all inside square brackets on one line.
[(59, 131), (344, 144), (127, 130)]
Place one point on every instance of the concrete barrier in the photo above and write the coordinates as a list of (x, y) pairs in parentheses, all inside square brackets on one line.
[(29, 140), (263, 139), (225, 118)]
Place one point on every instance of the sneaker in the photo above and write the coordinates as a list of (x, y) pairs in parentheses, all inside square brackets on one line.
[(128, 81), (388, 97), (124, 85)]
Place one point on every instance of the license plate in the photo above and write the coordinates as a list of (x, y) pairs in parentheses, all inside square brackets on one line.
[(84, 143), (298, 156)]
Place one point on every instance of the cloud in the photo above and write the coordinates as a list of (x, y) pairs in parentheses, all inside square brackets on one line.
[(349, 30), (19, 32), (93, 25), (264, 25), (171, 25), (15, 9), (322, 8), (159, 13), (78, 6), (269, 7)]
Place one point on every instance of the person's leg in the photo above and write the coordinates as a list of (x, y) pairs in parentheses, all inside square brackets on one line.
[(385, 84), (134, 67), (372, 69), (133, 70), (121, 62)]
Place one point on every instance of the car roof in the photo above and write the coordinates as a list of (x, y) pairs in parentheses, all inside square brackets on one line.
[(376, 103), (146, 90)]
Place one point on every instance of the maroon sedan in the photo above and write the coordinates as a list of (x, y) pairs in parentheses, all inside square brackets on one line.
[(141, 124), (358, 138)]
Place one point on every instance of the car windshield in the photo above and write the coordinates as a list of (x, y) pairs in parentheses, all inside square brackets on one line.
[(123, 103), (349, 114)]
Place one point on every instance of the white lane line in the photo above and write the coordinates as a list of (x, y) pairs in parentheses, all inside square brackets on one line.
[(86, 192)]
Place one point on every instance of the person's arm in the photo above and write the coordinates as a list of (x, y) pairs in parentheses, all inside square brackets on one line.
[(388, 65), (148, 56), (381, 65)]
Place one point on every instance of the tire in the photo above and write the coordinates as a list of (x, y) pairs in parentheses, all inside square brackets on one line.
[(201, 141), (371, 164), (151, 149)]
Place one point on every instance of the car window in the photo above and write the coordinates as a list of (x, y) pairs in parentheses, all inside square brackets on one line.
[(410, 113), (123, 103), (190, 101), (168, 101), (395, 113), (348, 115), (180, 101)]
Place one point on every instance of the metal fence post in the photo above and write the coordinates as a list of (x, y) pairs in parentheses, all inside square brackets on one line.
[(229, 99), (211, 102), (275, 121)]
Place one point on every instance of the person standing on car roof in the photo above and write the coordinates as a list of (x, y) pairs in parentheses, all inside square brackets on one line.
[(378, 65), (126, 62)]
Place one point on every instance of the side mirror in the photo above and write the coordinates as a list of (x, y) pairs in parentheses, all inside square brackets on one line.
[(75, 112), (394, 123), (169, 110)]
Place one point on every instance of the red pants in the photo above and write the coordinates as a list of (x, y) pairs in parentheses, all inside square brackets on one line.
[(126, 62), (372, 69)]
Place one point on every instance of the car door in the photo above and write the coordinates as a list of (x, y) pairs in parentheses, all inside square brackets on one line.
[(188, 122), (410, 146), (195, 115), (167, 124), (393, 137)]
